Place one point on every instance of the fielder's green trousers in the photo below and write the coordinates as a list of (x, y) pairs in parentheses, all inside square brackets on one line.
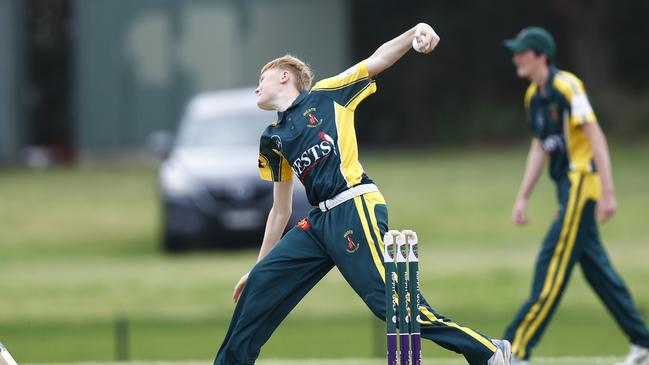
[(573, 239), (350, 237)]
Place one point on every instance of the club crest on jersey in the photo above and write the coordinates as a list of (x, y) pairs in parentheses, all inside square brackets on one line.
[(554, 112), (351, 246), (313, 119), (304, 224), (314, 154), (277, 142)]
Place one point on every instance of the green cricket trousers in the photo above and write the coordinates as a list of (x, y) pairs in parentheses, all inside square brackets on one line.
[(350, 237), (573, 238)]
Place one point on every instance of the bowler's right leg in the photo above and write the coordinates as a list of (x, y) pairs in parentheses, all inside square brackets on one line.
[(275, 285)]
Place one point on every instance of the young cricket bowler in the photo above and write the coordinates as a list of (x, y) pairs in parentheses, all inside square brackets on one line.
[(314, 140), (565, 131)]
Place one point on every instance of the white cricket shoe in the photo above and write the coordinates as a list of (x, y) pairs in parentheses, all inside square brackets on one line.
[(637, 356), (517, 361), (503, 355)]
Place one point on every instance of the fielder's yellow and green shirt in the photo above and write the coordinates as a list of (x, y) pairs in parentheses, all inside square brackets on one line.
[(556, 116), (315, 139)]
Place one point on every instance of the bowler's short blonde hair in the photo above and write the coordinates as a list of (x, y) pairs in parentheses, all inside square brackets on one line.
[(300, 70)]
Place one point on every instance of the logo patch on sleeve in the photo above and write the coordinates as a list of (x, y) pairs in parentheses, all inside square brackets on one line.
[(553, 108), (277, 142), (350, 71)]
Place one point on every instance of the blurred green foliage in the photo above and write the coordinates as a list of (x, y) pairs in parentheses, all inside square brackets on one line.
[(467, 89)]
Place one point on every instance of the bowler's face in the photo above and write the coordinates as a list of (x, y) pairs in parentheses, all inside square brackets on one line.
[(269, 83), (527, 63)]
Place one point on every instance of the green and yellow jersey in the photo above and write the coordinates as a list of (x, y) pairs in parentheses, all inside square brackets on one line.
[(315, 139), (556, 116)]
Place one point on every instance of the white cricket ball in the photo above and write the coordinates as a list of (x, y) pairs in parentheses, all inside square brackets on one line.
[(416, 46)]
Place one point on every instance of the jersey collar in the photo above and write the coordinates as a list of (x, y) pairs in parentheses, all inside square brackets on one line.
[(296, 102), (548, 85)]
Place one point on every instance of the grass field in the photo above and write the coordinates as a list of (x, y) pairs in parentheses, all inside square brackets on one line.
[(78, 247), (353, 361)]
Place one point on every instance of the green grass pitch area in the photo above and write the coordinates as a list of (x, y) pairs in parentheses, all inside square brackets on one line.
[(78, 247), (358, 361)]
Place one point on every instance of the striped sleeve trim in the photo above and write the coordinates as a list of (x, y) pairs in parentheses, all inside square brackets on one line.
[(573, 90), (367, 90), (285, 172)]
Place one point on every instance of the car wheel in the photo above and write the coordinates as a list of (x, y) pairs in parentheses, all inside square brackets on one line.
[(173, 243)]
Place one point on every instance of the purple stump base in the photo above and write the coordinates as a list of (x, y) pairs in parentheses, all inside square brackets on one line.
[(404, 348), (392, 349), (415, 338)]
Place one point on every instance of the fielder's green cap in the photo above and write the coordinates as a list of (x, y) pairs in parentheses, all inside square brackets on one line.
[(534, 38)]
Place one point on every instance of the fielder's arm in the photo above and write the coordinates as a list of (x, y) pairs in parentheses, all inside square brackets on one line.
[(277, 221), (533, 167), (606, 205), (391, 51)]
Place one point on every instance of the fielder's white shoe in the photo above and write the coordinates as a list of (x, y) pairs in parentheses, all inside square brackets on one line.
[(517, 361), (503, 355), (637, 356)]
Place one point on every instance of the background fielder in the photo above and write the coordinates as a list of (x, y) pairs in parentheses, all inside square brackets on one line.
[(566, 131)]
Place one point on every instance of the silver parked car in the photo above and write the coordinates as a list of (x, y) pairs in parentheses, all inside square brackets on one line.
[(211, 192)]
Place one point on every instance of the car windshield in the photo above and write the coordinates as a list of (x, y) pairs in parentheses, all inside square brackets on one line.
[(240, 130)]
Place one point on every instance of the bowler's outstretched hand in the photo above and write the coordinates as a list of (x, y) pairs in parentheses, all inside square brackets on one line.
[(425, 39)]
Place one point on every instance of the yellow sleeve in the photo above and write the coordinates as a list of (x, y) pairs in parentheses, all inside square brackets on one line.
[(573, 90), (348, 88)]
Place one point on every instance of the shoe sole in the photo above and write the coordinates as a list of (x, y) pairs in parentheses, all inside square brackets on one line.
[(507, 353)]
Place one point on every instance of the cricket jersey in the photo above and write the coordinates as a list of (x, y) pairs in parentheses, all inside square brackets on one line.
[(315, 140), (556, 115)]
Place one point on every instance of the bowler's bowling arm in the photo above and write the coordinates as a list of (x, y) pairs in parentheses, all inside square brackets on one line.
[(278, 216)]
